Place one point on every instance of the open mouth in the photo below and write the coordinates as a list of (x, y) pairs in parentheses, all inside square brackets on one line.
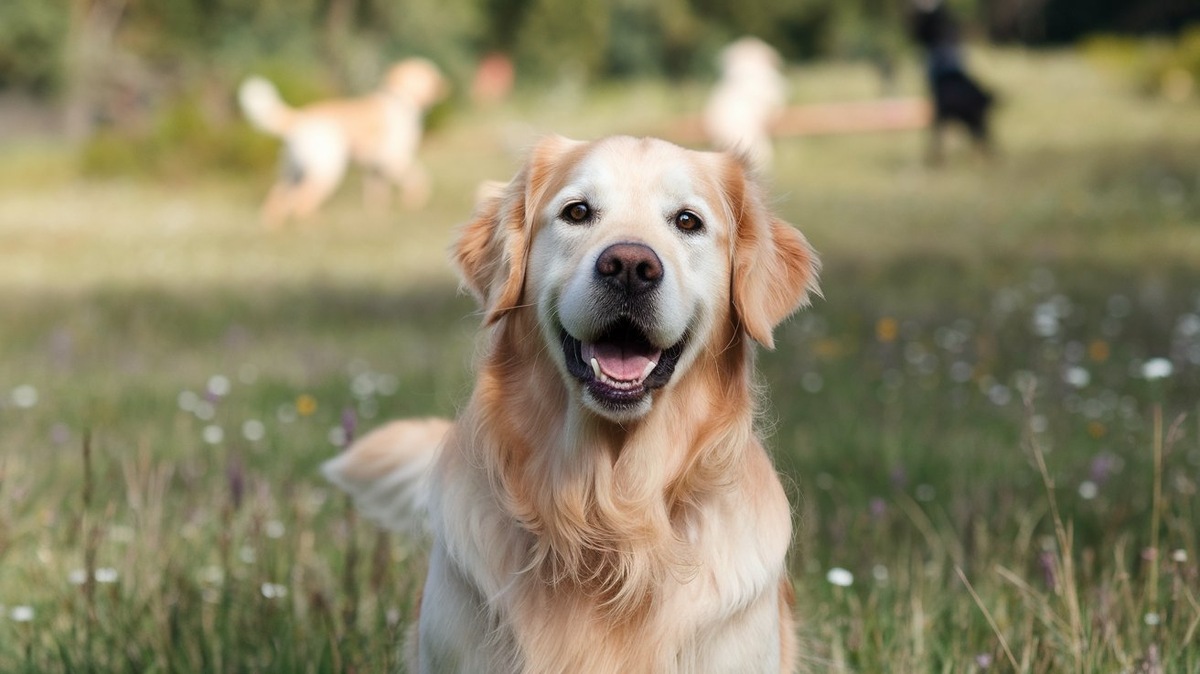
[(621, 365)]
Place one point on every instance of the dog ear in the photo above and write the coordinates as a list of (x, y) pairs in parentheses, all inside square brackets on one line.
[(774, 268), (492, 248)]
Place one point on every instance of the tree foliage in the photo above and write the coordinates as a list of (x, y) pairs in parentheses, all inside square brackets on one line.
[(350, 41)]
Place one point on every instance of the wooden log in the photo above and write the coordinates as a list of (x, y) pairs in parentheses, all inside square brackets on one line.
[(821, 119)]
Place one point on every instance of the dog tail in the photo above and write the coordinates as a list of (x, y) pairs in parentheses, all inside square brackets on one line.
[(387, 472), (263, 106)]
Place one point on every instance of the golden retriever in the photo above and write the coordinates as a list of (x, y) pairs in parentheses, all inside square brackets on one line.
[(747, 100), (603, 504), (380, 131)]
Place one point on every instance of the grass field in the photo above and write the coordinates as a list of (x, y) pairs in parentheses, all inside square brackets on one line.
[(992, 420)]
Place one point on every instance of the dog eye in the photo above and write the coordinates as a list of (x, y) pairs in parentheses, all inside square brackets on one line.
[(577, 211), (688, 221)]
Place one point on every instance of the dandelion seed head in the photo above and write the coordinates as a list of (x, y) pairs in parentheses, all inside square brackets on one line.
[(1152, 619), (1077, 376), (187, 400), (204, 410), (363, 386), (1180, 555), (21, 614), (1045, 320), (24, 396), (840, 577), (273, 590), (254, 430), (1088, 490), (1157, 368), (218, 385), (880, 573), (105, 575), (213, 434)]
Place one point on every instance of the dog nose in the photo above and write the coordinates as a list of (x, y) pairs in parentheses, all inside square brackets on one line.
[(631, 267)]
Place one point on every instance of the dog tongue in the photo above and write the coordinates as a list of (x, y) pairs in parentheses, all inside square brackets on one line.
[(623, 362)]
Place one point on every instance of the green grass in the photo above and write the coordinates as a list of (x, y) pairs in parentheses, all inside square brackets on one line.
[(897, 410)]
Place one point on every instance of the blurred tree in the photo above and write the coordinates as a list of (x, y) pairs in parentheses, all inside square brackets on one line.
[(31, 44), (91, 28), (563, 40)]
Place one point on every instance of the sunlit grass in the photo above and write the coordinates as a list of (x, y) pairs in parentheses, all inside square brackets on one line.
[(980, 321)]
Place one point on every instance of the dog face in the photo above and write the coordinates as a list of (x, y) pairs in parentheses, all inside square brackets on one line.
[(633, 254), (419, 80)]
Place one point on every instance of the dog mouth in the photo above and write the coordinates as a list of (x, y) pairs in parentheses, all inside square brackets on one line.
[(621, 365)]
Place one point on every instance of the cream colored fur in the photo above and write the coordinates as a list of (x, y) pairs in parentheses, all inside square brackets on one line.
[(381, 131), (568, 537), (747, 100)]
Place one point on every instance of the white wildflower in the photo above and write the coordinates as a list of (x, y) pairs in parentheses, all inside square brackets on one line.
[(1157, 368), (840, 577), (25, 396), (213, 434), (254, 430), (218, 385), (1088, 490), (1077, 376)]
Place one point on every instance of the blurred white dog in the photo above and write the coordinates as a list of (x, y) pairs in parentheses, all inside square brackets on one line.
[(381, 131), (746, 100)]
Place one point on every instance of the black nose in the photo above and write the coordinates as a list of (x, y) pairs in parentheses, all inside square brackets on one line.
[(633, 268)]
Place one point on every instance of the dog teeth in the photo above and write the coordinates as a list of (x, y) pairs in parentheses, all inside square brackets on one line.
[(620, 383), (646, 372)]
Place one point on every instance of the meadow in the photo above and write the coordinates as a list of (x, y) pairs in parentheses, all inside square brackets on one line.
[(989, 425)]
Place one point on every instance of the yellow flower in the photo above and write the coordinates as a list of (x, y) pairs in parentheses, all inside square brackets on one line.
[(828, 348), (886, 329), (306, 405), (1096, 429), (1098, 350)]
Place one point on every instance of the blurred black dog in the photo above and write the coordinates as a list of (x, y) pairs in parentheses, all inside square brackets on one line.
[(957, 97)]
